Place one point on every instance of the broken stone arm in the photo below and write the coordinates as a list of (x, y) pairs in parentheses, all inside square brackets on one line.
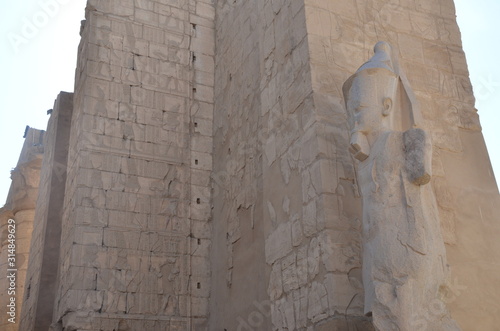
[(418, 155)]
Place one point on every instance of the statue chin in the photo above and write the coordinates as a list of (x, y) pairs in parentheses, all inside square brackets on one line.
[(360, 146)]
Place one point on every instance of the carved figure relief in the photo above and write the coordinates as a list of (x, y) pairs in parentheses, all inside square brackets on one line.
[(404, 258)]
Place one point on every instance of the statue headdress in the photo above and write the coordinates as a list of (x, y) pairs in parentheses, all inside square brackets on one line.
[(384, 64)]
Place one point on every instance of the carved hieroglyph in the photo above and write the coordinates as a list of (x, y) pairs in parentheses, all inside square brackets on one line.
[(404, 259)]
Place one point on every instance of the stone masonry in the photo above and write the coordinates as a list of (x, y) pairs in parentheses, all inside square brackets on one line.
[(200, 177), (41, 279), (20, 207)]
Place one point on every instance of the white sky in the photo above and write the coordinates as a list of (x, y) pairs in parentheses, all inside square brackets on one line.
[(39, 47)]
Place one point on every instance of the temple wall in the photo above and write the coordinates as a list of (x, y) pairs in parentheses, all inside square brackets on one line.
[(425, 36), (277, 225), (134, 244), (200, 176)]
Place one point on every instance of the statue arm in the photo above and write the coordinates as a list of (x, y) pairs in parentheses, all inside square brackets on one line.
[(418, 156)]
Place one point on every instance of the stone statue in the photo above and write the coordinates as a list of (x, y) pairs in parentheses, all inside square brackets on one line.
[(404, 258)]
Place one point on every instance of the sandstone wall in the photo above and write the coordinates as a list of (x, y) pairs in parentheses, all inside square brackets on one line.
[(427, 39), (286, 251), (285, 188), (20, 207), (41, 277), (135, 234)]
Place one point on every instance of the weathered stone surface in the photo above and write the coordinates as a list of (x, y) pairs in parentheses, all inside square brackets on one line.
[(209, 182), (404, 257), (17, 220)]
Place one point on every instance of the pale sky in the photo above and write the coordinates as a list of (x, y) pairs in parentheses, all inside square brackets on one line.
[(39, 46)]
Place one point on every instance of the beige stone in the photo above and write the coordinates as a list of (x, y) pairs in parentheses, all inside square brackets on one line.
[(404, 257), (209, 182)]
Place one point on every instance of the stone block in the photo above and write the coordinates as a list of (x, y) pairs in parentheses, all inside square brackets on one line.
[(129, 220), (172, 24), (201, 143), (106, 38), (82, 278), (89, 197), (89, 216), (179, 41), (146, 16), (142, 97), (275, 288), (202, 110), (205, 10), (279, 243), (340, 250), (203, 78), (98, 53), (93, 124), (131, 77), (120, 92), (126, 28), (146, 64), (201, 210), (114, 302), (149, 116), (169, 103), (200, 287), (200, 247), (115, 7), (85, 235), (289, 273), (341, 294), (83, 300), (200, 266), (317, 302), (203, 41), (102, 70), (309, 219), (201, 21), (201, 229), (143, 303), (200, 177), (203, 93), (121, 239), (96, 88), (85, 256), (201, 161), (202, 126)]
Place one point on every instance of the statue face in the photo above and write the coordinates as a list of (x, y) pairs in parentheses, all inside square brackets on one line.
[(369, 105), (366, 122)]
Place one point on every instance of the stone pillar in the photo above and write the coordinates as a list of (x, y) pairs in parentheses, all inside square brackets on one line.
[(20, 209), (42, 270)]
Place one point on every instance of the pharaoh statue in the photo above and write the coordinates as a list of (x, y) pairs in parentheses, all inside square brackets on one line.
[(404, 258)]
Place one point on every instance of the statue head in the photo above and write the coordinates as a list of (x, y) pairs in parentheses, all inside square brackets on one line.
[(370, 96)]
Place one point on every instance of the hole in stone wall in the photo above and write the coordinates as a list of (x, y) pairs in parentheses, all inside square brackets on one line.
[(198, 200), (196, 162), (195, 124), (199, 241), (194, 89), (198, 285), (194, 58)]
